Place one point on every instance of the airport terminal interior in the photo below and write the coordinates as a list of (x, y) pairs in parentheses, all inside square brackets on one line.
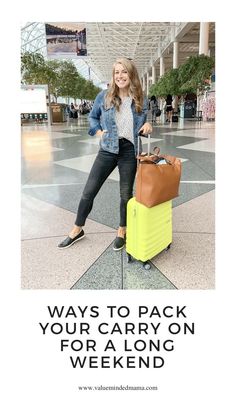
[(57, 158)]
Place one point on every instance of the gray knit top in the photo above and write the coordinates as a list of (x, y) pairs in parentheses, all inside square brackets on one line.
[(124, 120)]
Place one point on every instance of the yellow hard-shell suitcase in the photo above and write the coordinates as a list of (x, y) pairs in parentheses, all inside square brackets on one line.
[(149, 230)]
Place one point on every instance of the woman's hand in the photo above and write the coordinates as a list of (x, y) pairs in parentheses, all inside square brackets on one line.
[(100, 133), (146, 128)]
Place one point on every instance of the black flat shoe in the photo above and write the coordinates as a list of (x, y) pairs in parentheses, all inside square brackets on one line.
[(69, 241), (119, 243)]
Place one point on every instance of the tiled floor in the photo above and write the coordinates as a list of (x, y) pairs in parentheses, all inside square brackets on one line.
[(55, 165)]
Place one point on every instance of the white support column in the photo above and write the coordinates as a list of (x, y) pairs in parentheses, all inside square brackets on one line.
[(162, 71), (203, 43), (143, 83), (48, 102), (175, 54), (147, 83), (153, 74), (162, 66), (204, 38), (175, 66)]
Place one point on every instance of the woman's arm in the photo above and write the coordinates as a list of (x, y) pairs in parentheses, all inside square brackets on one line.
[(95, 114), (145, 108), (146, 127)]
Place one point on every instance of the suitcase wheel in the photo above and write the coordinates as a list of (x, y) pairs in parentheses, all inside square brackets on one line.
[(168, 247), (146, 265), (129, 258)]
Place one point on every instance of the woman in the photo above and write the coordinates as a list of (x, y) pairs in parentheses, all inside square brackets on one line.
[(117, 117), (153, 108), (169, 108)]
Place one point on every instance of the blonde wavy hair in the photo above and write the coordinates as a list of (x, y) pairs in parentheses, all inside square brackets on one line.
[(135, 88)]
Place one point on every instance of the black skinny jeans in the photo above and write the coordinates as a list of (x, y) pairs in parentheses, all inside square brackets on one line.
[(103, 166)]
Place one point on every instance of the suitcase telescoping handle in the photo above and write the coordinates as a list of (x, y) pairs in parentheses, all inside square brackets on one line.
[(149, 141)]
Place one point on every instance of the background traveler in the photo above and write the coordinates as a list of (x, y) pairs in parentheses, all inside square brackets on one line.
[(153, 108), (169, 108)]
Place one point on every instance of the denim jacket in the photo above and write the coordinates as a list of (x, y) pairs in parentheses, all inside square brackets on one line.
[(101, 118)]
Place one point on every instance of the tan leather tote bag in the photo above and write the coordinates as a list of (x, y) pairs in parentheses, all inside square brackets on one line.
[(157, 183)]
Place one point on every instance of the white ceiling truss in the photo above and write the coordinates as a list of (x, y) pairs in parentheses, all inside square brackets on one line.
[(144, 42)]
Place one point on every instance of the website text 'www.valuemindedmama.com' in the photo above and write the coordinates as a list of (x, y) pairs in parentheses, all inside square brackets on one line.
[(117, 388)]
